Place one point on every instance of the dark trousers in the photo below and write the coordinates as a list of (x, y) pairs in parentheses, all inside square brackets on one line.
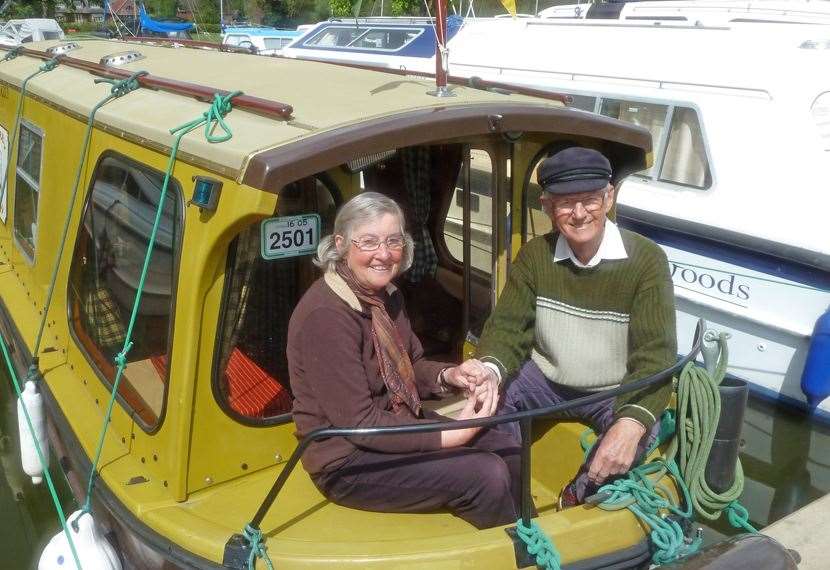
[(530, 389), (479, 482)]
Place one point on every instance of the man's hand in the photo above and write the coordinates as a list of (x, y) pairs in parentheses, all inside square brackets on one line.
[(617, 450), (479, 405), (467, 376)]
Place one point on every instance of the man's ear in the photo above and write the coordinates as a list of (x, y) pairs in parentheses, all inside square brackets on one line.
[(609, 201), (338, 242), (546, 202)]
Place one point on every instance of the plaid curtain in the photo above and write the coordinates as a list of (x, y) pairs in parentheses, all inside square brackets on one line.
[(416, 169), (247, 254)]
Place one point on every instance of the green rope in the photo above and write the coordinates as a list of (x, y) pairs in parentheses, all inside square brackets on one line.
[(221, 106), (13, 53), (45, 68), (258, 548), (40, 456), (119, 89), (696, 421), (539, 545)]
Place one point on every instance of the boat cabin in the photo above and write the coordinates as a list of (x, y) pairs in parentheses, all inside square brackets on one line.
[(202, 423)]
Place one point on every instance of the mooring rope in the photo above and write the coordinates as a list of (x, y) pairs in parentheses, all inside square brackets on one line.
[(43, 465), (119, 89), (45, 68), (211, 118)]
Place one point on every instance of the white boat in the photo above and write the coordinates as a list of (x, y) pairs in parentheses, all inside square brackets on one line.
[(697, 12), (741, 135), (740, 119), (16, 32)]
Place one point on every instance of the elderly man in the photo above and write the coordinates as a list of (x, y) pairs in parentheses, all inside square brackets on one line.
[(586, 307)]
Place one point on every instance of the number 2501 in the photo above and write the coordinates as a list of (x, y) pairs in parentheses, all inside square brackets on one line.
[(290, 238)]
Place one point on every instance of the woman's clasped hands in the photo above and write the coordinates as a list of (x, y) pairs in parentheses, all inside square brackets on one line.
[(471, 378)]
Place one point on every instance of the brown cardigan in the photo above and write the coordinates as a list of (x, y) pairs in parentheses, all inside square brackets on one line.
[(336, 380)]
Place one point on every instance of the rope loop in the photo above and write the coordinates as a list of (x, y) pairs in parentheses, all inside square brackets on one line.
[(738, 516), (50, 64), (121, 87), (539, 545), (212, 118), (258, 548), (121, 357), (13, 53)]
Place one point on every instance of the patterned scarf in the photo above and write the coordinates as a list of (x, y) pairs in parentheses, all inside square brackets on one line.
[(395, 366)]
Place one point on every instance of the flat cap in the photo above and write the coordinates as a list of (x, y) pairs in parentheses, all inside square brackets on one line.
[(575, 169)]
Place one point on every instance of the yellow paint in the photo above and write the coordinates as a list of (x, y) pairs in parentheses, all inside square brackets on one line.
[(206, 474)]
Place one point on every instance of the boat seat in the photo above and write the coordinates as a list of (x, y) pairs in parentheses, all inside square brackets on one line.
[(252, 392)]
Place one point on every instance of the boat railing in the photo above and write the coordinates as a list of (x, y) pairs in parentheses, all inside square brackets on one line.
[(237, 546)]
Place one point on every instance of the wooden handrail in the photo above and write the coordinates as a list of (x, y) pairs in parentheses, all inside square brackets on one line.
[(195, 90)]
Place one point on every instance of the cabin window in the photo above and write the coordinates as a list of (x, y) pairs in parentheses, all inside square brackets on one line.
[(648, 115), (27, 187), (684, 161), (583, 102), (385, 39), (251, 370), (235, 40), (276, 43), (481, 215), (536, 221), (333, 37), (106, 266)]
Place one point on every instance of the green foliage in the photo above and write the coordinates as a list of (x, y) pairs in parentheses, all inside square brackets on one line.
[(407, 7), (340, 8)]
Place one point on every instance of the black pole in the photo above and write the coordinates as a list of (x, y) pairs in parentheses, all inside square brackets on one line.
[(527, 500), (523, 417)]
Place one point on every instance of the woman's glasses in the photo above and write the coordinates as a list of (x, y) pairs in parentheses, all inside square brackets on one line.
[(372, 243)]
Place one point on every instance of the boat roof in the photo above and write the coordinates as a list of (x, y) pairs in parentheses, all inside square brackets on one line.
[(262, 31), (338, 112)]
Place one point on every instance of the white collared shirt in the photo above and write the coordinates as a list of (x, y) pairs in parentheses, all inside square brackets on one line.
[(611, 247)]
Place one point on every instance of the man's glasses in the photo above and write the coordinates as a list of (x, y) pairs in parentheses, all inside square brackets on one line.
[(372, 243), (591, 204)]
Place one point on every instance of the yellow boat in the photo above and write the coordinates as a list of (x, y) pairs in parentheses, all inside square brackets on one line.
[(201, 428)]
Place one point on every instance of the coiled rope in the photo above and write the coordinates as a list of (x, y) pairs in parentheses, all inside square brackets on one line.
[(539, 545), (698, 412)]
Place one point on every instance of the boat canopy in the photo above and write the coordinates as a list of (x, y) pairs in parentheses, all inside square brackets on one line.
[(149, 24)]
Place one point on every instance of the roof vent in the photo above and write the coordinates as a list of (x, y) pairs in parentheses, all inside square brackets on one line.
[(121, 58), (62, 49)]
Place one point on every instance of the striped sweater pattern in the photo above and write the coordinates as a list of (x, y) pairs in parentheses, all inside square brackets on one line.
[(588, 328)]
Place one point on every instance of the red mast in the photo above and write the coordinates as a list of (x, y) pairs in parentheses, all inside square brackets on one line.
[(441, 53)]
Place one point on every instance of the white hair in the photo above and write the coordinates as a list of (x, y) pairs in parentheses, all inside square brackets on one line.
[(362, 209)]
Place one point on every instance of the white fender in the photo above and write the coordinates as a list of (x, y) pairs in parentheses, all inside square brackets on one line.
[(94, 551), (28, 454)]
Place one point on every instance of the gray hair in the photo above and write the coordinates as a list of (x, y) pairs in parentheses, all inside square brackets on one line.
[(362, 209)]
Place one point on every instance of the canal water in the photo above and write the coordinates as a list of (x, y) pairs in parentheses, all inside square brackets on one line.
[(786, 461)]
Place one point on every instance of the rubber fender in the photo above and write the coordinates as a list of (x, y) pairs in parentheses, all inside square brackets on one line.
[(720, 467), (33, 401), (742, 552), (815, 378), (94, 551)]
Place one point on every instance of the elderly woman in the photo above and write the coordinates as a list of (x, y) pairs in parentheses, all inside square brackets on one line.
[(355, 362)]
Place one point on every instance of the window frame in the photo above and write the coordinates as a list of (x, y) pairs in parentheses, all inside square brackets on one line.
[(350, 47), (25, 123), (174, 280), (660, 146), (224, 404)]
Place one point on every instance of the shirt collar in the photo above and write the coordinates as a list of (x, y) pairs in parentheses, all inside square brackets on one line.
[(611, 247)]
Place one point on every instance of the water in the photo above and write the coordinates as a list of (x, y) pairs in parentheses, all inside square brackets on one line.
[(27, 514), (786, 461)]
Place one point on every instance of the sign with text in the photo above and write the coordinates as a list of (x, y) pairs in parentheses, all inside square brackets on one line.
[(290, 236)]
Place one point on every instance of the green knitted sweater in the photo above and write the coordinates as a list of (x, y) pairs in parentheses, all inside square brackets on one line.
[(588, 328)]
